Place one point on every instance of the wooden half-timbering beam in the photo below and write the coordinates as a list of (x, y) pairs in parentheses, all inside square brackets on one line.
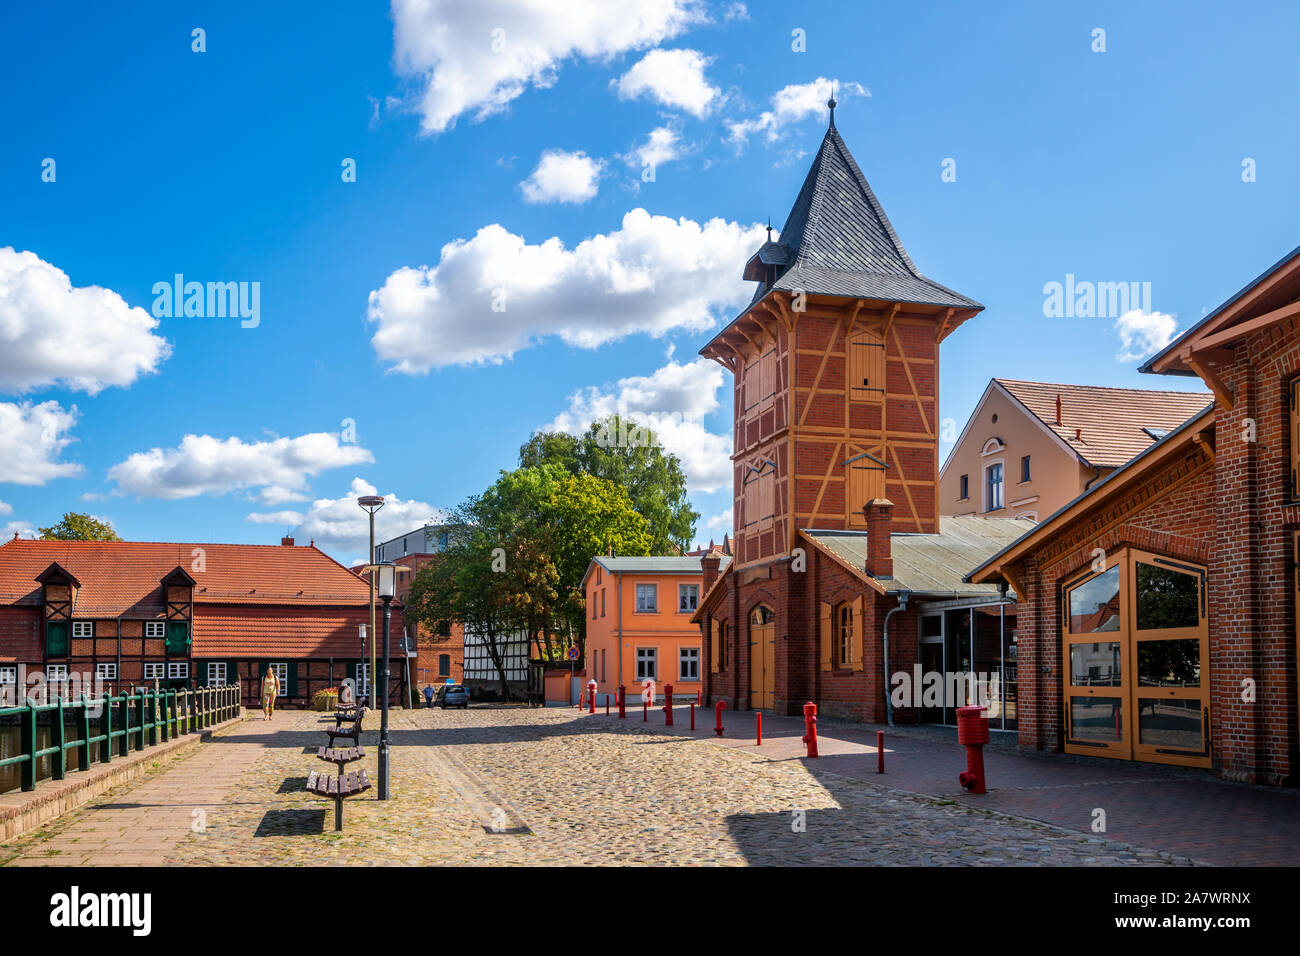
[(1205, 443), (1222, 394), (943, 326)]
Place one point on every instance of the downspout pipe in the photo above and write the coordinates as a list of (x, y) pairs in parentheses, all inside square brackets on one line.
[(902, 606), (618, 599)]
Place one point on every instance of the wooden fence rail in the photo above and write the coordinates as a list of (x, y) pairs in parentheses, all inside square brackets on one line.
[(120, 723)]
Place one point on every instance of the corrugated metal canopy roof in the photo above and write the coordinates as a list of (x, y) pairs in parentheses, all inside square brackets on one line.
[(933, 564)]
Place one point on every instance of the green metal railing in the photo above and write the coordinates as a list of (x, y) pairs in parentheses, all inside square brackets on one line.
[(119, 723)]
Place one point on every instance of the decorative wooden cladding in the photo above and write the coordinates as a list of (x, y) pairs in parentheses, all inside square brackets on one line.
[(834, 405)]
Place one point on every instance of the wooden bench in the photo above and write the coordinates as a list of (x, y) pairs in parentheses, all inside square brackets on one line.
[(339, 785), (352, 733), (348, 711)]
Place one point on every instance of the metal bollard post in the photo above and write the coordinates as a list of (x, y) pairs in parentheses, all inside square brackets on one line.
[(758, 741), (622, 701), (668, 705), (880, 751), (692, 715)]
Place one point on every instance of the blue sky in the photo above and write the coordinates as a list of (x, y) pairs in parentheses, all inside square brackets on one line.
[(520, 166)]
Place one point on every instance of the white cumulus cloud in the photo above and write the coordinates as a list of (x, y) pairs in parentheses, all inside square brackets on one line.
[(673, 402), (340, 525), (662, 145), (32, 437), (53, 333), (495, 294), (479, 55), (1143, 333), (563, 177), (674, 78), (201, 464), (790, 104)]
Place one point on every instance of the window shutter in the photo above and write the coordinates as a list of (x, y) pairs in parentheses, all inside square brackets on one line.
[(292, 689), (826, 636), (56, 639), (201, 673), (855, 642), (713, 645), (232, 676)]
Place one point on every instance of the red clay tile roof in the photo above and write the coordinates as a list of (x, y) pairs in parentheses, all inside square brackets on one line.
[(1110, 421), (287, 632), (121, 578)]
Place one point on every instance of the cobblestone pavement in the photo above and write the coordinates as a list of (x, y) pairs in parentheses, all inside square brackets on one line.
[(523, 786)]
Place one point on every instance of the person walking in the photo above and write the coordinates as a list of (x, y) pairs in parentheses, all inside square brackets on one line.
[(428, 695), (270, 691)]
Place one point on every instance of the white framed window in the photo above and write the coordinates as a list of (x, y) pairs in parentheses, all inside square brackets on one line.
[(83, 628), (178, 670), (106, 671), (281, 672), (688, 661), (8, 675), (154, 629), (647, 598), (217, 674), (688, 597), (154, 670), (647, 663), (993, 499), (56, 672)]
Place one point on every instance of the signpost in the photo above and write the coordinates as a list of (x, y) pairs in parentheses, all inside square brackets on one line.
[(572, 655)]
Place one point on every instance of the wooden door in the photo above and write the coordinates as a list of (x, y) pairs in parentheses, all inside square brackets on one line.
[(762, 660)]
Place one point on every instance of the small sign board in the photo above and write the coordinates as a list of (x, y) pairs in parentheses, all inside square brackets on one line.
[(571, 653)]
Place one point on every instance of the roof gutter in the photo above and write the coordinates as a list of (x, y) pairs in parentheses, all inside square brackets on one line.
[(901, 606)]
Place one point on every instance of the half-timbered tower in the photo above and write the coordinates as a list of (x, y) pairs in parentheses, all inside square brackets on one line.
[(842, 563), (836, 365)]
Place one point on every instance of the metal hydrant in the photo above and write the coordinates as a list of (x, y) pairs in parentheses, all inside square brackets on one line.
[(591, 696), (973, 734), (718, 708), (810, 727), (668, 705)]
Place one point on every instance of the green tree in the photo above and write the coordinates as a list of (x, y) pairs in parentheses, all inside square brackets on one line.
[(628, 454), (78, 527)]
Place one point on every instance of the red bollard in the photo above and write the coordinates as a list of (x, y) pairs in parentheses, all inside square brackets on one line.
[(973, 734), (668, 705), (591, 699), (718, 708), (758, 742), (622, 701), (692, 716), (810, 728), (645, 710), (699, 698), (880, 751), (607, 705)]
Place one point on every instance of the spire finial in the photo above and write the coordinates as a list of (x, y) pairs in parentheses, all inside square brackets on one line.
[(769, 228), (832, 104)]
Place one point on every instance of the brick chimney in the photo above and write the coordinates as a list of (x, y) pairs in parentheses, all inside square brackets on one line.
[(879, 513), (710, 563), (286, 542)]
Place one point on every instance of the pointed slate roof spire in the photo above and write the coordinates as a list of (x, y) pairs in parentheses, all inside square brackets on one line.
[(838, 241)]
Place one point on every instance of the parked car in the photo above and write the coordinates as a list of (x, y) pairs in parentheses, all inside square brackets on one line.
[(452, 695)]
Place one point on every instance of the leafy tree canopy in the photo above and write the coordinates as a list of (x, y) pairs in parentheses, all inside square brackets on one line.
[(78, 527), (626, 453)]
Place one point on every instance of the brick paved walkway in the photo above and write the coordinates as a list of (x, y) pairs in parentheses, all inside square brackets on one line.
[(520, 786)]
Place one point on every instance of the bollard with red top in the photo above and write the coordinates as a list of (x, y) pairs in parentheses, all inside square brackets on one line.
[(591, 697), (810, 727), (880, 751), (668, 705), (718, 708), (607, 705), (622, 701), (973, 734), (645, 710), (692, 715)]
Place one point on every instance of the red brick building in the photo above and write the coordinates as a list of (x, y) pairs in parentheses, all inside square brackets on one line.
[(181, 615), (1194, 543), (844, 573)]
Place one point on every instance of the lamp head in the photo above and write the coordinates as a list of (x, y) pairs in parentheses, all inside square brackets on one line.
[(371, 503)]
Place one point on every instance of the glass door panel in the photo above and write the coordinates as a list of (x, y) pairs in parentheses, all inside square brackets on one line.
[(1096, 693)]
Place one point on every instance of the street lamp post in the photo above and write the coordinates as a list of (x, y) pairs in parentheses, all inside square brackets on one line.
[(371, 503), (387, 583)]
